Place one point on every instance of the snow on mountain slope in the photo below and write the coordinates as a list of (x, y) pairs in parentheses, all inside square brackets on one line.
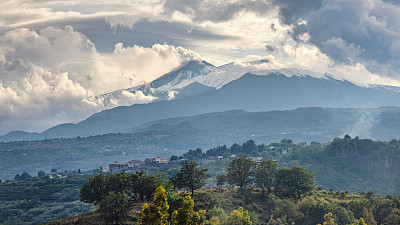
[(178, 83)]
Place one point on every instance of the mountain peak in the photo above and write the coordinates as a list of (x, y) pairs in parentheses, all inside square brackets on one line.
[(190, 70)]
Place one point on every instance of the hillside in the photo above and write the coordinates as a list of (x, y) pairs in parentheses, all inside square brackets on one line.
[(176, 135), (310, 210)]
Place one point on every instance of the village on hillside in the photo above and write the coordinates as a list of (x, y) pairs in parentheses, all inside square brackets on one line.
[(137, 164)]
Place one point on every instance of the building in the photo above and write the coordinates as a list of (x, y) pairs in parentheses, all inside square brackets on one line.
[(116, 167), (135, 163), (156, 160)]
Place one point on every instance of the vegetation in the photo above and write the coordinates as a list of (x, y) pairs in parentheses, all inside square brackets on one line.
[(240, 172), (42, 199), (190, 176), (277, 183), (265, 175), (337, 164)]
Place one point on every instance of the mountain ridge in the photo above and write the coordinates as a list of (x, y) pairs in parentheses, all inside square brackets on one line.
[(274, 91)]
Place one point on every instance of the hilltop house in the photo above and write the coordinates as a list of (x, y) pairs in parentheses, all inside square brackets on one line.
[(156, 160), (116, 167), (135, 163)]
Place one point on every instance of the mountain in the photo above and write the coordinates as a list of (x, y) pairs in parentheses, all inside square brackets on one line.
[(276, 90), (300, 125), (193, 78)]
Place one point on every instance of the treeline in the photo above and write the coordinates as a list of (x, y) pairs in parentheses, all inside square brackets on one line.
[(248, 148), (352, 164), (374, 165)]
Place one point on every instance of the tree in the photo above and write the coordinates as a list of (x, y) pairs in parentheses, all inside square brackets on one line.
[(368, 216), (186, 214), (359, 222), (156, 213), (328, 219), (221, 179), (53, 170), (240, 171), (41, 174), (95, 189), (293, 182), (23, 177), (239, 217), (142, 185), (265, 175), (173, 158), (190, 176), (115, 207)]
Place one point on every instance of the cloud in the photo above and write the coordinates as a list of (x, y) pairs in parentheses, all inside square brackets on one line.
[(127, 98), (216, 10), (53, 75), (291, 12), (350, 32)]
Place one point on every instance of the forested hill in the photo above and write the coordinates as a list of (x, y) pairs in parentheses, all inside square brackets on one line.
[(347, 164)]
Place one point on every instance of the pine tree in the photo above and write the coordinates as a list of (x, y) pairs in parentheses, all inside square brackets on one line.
[(359, 222), (369, 217), (186, 215), (239, 217), (328, 219), (156, 213)]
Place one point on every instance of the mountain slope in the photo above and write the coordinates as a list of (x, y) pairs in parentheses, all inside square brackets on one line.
[(270, 91), (250, 93)]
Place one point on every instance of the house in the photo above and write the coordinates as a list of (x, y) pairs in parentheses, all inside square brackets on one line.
[(161, 160), (156, 160), (326, 144), (284, 151), (116, 167), (256, 159), (135, 163)]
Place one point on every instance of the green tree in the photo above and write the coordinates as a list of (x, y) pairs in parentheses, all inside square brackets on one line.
[(221, 179), (328, 219), (41, 174), (115, 207), (186, 214), (240, 171), (156, 213), (368, 216), (293, 182), (142, 185), (190, 176), (95, 189), (359, 222), (265, 175), (118, 182), (238, 217)]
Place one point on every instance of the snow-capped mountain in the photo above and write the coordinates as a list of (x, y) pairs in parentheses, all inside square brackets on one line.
[(193, 78), (197, 77), (199, 87)]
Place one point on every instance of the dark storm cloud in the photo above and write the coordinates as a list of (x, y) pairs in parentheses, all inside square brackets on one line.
[(349, 31), (292, 11)]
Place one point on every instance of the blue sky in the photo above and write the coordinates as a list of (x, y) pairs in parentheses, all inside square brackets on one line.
[(57, 56)]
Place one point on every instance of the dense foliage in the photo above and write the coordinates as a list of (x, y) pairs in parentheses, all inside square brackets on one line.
[(190, 176), (42, 199), (374, 165)]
